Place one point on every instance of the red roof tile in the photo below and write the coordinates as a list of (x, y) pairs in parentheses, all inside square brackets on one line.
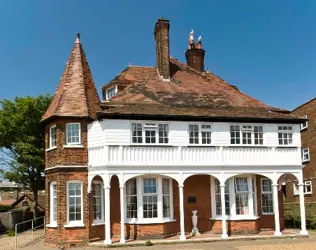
[(76, 94)]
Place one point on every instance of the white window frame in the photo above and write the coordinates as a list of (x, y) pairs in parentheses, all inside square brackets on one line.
[(289, 141), (266, 192), (73, 143), (139, 190), (100, 221), (200, 132), (52, 222), (296, 190), (75, 223), (11, 195), (51, 137), (304, 125), (111, 89), (305, 152), (252, 199), (247, 128), (150, 126)]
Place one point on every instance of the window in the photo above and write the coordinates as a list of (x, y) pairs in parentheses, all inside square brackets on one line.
[(97, 202), (304, 125), (285, 135), (218, 198), (1, 194), (74, 198), (110, 93), (305, 154), (150, 133), (246, 135), (166, 197), (11, 196), (25, 204), (200, 133), (150, 200), (53, 203), (307, 188), (267, 196), (131, 199), (73, 134), (52, 136), (242, 195)]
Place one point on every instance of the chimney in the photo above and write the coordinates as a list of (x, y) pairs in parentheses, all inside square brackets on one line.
[(162, 48), (195, 54)]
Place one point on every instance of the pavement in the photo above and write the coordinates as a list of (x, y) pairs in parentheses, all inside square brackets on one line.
[(260, 244)]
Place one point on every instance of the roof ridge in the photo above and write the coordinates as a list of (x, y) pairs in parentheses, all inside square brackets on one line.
[(314, 98)]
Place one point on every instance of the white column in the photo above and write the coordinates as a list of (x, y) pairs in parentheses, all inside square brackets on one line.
[(122, 240), (302, 210), (224, 226), (276, 210), (107, 216), (182, 233)]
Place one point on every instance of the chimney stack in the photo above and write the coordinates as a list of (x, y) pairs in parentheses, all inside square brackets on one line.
[(162, 48), (195, 54)]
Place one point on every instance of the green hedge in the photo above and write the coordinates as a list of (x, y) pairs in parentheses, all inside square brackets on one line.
[(293, 218), (4, 208)]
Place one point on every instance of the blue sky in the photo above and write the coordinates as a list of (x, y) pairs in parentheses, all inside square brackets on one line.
[(267, 48)]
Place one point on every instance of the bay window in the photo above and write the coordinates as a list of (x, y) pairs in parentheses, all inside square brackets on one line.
[(74, 203), (200, 134), (240, 198), (98, 213), (246, 134), (150, 133), (148, 200)]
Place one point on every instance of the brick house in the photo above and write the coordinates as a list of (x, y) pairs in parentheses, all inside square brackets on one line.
[(308, 138), (9, 192), (165, 141)]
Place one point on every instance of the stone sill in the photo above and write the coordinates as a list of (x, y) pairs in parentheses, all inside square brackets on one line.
[(74, 225), (50, 149), (237, 218), (98, 223), (51, 225), (144, 221), (73, 146)]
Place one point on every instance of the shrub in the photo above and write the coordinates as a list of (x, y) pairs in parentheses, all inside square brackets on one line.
[(11, 233), (148, 243), (4, 208)]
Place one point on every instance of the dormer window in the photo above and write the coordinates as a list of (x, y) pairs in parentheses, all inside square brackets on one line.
[(111, 92), (304, 125)]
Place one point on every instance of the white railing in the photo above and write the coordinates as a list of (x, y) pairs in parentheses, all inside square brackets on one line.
[(29, 230), (182, 155)]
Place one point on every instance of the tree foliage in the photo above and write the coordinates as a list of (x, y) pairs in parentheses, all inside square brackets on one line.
[(22, 156)]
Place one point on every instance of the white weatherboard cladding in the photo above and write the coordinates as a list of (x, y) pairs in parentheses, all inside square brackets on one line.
[(109, 143)]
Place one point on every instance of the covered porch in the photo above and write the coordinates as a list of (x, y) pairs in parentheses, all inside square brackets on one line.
[(140, 204)]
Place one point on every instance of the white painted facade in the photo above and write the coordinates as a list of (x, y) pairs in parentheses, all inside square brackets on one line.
[(112, 152)]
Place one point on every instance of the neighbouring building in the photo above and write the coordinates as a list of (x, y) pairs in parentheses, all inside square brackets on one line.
[(9, 192), (166, 140), (308, 138)]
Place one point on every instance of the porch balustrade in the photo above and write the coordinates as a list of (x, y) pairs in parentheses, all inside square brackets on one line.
[(186, 155)]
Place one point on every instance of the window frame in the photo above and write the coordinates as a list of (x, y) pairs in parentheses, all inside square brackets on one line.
[(131, 195), (52, 204), (50, 136), (302, 127), (108, 90), (244, 129), (305, 153), (296, 190), (140, 205), (200, 133), (74, 223), (146, 126), (99, 221), (73, 143), (264, 193), (150, 195), (11, 195), (287, 134)]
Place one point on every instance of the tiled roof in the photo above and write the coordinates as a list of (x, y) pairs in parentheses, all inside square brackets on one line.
[(189, 93), (76, 94), (9, 185)]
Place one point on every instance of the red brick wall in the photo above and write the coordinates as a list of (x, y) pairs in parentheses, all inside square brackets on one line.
[(236, 227), (66, 156)]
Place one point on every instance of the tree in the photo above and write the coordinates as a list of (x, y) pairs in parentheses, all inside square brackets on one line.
[(22, 142)]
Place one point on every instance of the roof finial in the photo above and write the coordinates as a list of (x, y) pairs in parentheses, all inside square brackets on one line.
[(191, 39), (78, 38)]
